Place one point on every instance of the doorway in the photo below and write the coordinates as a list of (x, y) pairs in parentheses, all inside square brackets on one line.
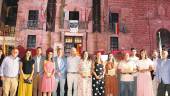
[(165, 39)]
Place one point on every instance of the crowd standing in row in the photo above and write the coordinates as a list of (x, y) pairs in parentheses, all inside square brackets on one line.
[(40, 75)]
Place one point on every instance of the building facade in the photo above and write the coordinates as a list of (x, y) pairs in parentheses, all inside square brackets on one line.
[(8, 14), (93, 25)]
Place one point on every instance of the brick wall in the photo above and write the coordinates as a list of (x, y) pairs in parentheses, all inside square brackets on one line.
[(142, 19)]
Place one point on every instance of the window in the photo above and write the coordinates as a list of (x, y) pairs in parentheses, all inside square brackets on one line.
[(31, 41), (51, 14), (33, 19), (114, 43), (113, 22), (73, 15), (96, 15)]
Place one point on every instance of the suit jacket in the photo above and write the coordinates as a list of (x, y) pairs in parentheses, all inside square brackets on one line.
[(41, 64), (63, 67)]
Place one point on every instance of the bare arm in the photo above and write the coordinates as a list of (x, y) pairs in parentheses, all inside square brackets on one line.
[(53, 72), (93, 72), (21, 71)]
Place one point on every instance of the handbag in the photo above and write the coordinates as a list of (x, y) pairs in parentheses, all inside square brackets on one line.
[(28, 81)]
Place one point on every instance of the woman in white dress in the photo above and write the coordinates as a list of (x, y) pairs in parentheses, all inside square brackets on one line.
[(85, 80), (144, 80)]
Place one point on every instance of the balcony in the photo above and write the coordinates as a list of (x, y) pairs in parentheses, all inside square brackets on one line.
[(81, 25), (32, 24)]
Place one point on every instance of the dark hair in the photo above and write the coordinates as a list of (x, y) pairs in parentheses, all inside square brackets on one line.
[(133, 49), (25, 57), (164, 49), (143, 50), (47, 55), (39, 48), (113, 60), (2, 56), (97, 58)]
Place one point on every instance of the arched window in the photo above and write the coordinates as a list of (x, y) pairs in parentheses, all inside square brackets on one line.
[(164, 38)]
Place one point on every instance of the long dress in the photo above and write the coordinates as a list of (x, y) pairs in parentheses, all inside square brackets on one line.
[(111, 82), (98, 84), (48, 83), (144, 80), (85, 84), (25, 89)]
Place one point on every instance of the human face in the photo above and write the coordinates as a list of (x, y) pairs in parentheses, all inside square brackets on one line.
[(15, 52), (28, 53), (126, 56), (73, 51), (59, 53), (50, 55), (143, 54), (39, 51), (85, 55), (155, 54), (110, 56), (98, 55), (134, 52), (164, 54)]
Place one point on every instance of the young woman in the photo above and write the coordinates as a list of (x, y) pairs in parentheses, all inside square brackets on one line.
[(26, 75), (85, 81), (98, 76), (111, 81), (48, 79), (144, 80), (1, 59)]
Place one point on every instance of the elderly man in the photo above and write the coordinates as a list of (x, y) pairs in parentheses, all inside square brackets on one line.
[(60, 75), (163, 74), (73, 62), (9, 73)]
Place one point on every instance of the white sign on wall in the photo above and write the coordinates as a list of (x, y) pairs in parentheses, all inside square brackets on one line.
[(104, 57), (74, 26)]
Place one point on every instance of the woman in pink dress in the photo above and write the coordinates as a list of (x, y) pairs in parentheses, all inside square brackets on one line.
[(144, 80), (48, 79)]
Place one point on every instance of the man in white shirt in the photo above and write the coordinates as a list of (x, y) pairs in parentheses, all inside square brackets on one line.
[(73, 62), (134, 58), (126, 68), (153, 73), (9, 73), (38, 71)]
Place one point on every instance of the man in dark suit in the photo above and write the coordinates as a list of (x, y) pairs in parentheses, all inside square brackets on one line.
[(38, 71)]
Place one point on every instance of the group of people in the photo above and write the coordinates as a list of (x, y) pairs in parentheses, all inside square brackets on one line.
[(85, 76)]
